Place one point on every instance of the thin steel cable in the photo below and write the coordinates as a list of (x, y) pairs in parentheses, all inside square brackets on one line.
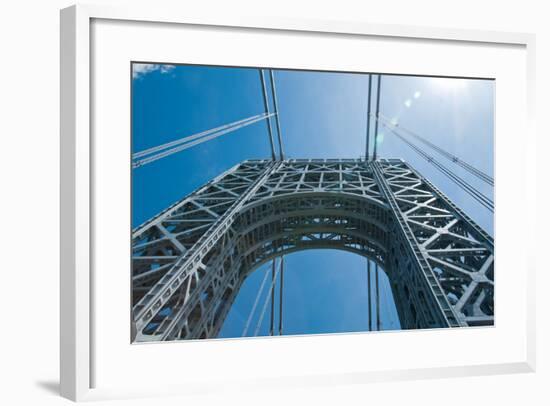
[(266, 108), (378, 322), (188, 138), (472, 191), (253, 310), (171, 151), (377, 114), (468, 188), (368, 120), (271, 323), (281, 297), (264, 308), (453, 158), (276, 106), (370, 296)]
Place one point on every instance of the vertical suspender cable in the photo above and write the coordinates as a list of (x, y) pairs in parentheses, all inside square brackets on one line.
[(264, 308), (272, 298), (281, 297), (377, 298), (368, 123), (253, 310), (377, 114), (276, 106), (370, 296), (266, 107)]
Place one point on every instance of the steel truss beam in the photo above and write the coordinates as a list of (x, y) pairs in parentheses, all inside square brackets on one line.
[(190, 261)]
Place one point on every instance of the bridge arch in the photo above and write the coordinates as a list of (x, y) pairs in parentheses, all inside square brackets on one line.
[(262, 209), (271, 227)]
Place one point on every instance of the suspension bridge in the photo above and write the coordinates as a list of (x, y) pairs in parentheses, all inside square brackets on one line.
[(190, 261)]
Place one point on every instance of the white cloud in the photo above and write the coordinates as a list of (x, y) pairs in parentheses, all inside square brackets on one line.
[(142, 69)]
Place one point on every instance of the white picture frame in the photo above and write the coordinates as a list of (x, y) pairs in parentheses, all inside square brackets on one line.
[(77, 356)]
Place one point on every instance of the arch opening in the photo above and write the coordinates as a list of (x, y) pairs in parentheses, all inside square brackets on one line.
[(268, 229), (325, 291)]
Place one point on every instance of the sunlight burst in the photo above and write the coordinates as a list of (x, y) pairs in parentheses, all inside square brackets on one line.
[(449, 85)]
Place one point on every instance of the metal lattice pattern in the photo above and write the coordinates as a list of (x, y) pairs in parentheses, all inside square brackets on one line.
[(190, 261), (448, 245)]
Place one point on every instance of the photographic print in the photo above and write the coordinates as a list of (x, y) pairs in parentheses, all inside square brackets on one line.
[(271, 202)]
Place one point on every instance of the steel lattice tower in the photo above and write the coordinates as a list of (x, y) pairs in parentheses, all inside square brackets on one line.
[(190, 260)]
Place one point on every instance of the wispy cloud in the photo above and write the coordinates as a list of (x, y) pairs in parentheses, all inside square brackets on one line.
[(142, 69)]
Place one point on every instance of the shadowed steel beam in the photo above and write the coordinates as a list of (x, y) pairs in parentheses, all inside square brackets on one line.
[(273, 89), (377, 114), (368, 123), (281, 297), (266, 108)]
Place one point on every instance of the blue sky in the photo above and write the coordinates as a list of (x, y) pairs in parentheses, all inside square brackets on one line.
[(322, 115)]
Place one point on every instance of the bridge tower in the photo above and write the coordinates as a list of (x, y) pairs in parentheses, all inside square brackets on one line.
[(190, 260)]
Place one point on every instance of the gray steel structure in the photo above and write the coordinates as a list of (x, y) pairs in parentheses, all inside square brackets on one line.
[(190, 260)]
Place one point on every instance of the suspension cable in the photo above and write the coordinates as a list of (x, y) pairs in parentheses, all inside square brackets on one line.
[(264, 308), (153, 154), (149, 151), (370, 296), (377, 114), (164, 150), (253, 310), (266, 108), (468, 188), (470, 168), (272, 294), (276, 106), (378, 323), (281, 296), (368, 120)]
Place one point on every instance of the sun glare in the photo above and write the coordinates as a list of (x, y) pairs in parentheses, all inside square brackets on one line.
[(450, 85)]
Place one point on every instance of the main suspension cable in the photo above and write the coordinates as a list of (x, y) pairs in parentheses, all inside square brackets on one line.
[(164, 150), (453, 158), (468, 188)]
